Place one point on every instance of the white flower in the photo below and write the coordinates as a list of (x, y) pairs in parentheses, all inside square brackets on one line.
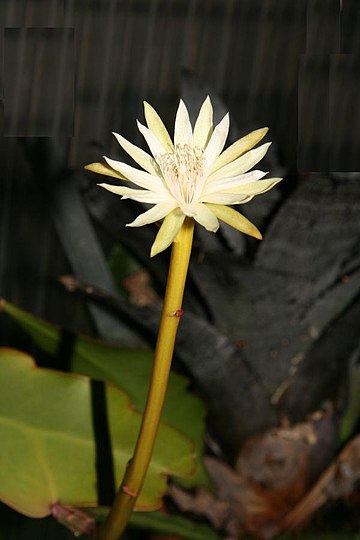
[(190, 176)]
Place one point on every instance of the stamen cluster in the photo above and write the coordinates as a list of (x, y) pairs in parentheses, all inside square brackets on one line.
[(183, 172)]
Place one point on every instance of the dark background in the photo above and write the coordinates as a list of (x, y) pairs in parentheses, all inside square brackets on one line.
[(73, 71)]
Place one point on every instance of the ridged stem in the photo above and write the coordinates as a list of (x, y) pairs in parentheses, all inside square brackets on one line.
[(134, 477)]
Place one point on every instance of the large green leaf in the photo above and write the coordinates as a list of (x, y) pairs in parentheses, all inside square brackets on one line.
[(160, 522), (47, 451), (130, 370), (170, 524)]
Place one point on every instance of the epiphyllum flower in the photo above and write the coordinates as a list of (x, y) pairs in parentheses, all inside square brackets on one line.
[(190, 176)]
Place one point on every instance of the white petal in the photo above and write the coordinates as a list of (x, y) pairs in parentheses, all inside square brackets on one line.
[(206, 218), (155, 213), (140, 178), (156, 148), (141, 195), (148, 197), (118, 190), (226, 198), (203, 125), (242, 164), (168, 231), (142, 158), (241, 194), (228, 184), (238, 148), (156, 126), (183, 129), (217, 141)]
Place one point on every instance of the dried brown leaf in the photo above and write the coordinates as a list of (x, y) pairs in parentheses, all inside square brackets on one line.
[(336, 482), (271, 475), (140, 292)]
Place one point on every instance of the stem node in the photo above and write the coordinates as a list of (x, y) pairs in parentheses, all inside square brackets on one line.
[(135, 473)]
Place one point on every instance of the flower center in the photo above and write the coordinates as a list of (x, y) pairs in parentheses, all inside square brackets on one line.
[(183, 173)]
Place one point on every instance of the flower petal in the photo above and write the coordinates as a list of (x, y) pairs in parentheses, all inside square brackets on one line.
[(183, 129), (142, 158), (206, 218), (242, 164), (203, 125), (226, 198), (156, 126), (229, 184), (255, 188), (156, 148), (239, 148), (140, 178), (155, 213), (141, 195), (241, 193), (103, 168), (168, 231), (217, 141), (236, 220)]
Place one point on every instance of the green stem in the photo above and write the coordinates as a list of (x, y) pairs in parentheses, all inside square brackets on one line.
[(134, 477)]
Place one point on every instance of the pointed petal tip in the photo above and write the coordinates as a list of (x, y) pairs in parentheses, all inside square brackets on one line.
[(155, 251), (226, 120), (254, 232), (261, 131), (157, 248), (117, 136), (182, 104)]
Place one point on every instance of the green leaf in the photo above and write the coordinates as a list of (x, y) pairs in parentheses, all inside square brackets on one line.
[(47, 450), (160, 522), (352, 413), (168, 524), (130, 370)]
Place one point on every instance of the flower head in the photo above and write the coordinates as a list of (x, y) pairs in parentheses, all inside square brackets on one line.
[(190, 176)]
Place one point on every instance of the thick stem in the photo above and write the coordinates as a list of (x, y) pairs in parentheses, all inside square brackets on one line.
[(133, 480)]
